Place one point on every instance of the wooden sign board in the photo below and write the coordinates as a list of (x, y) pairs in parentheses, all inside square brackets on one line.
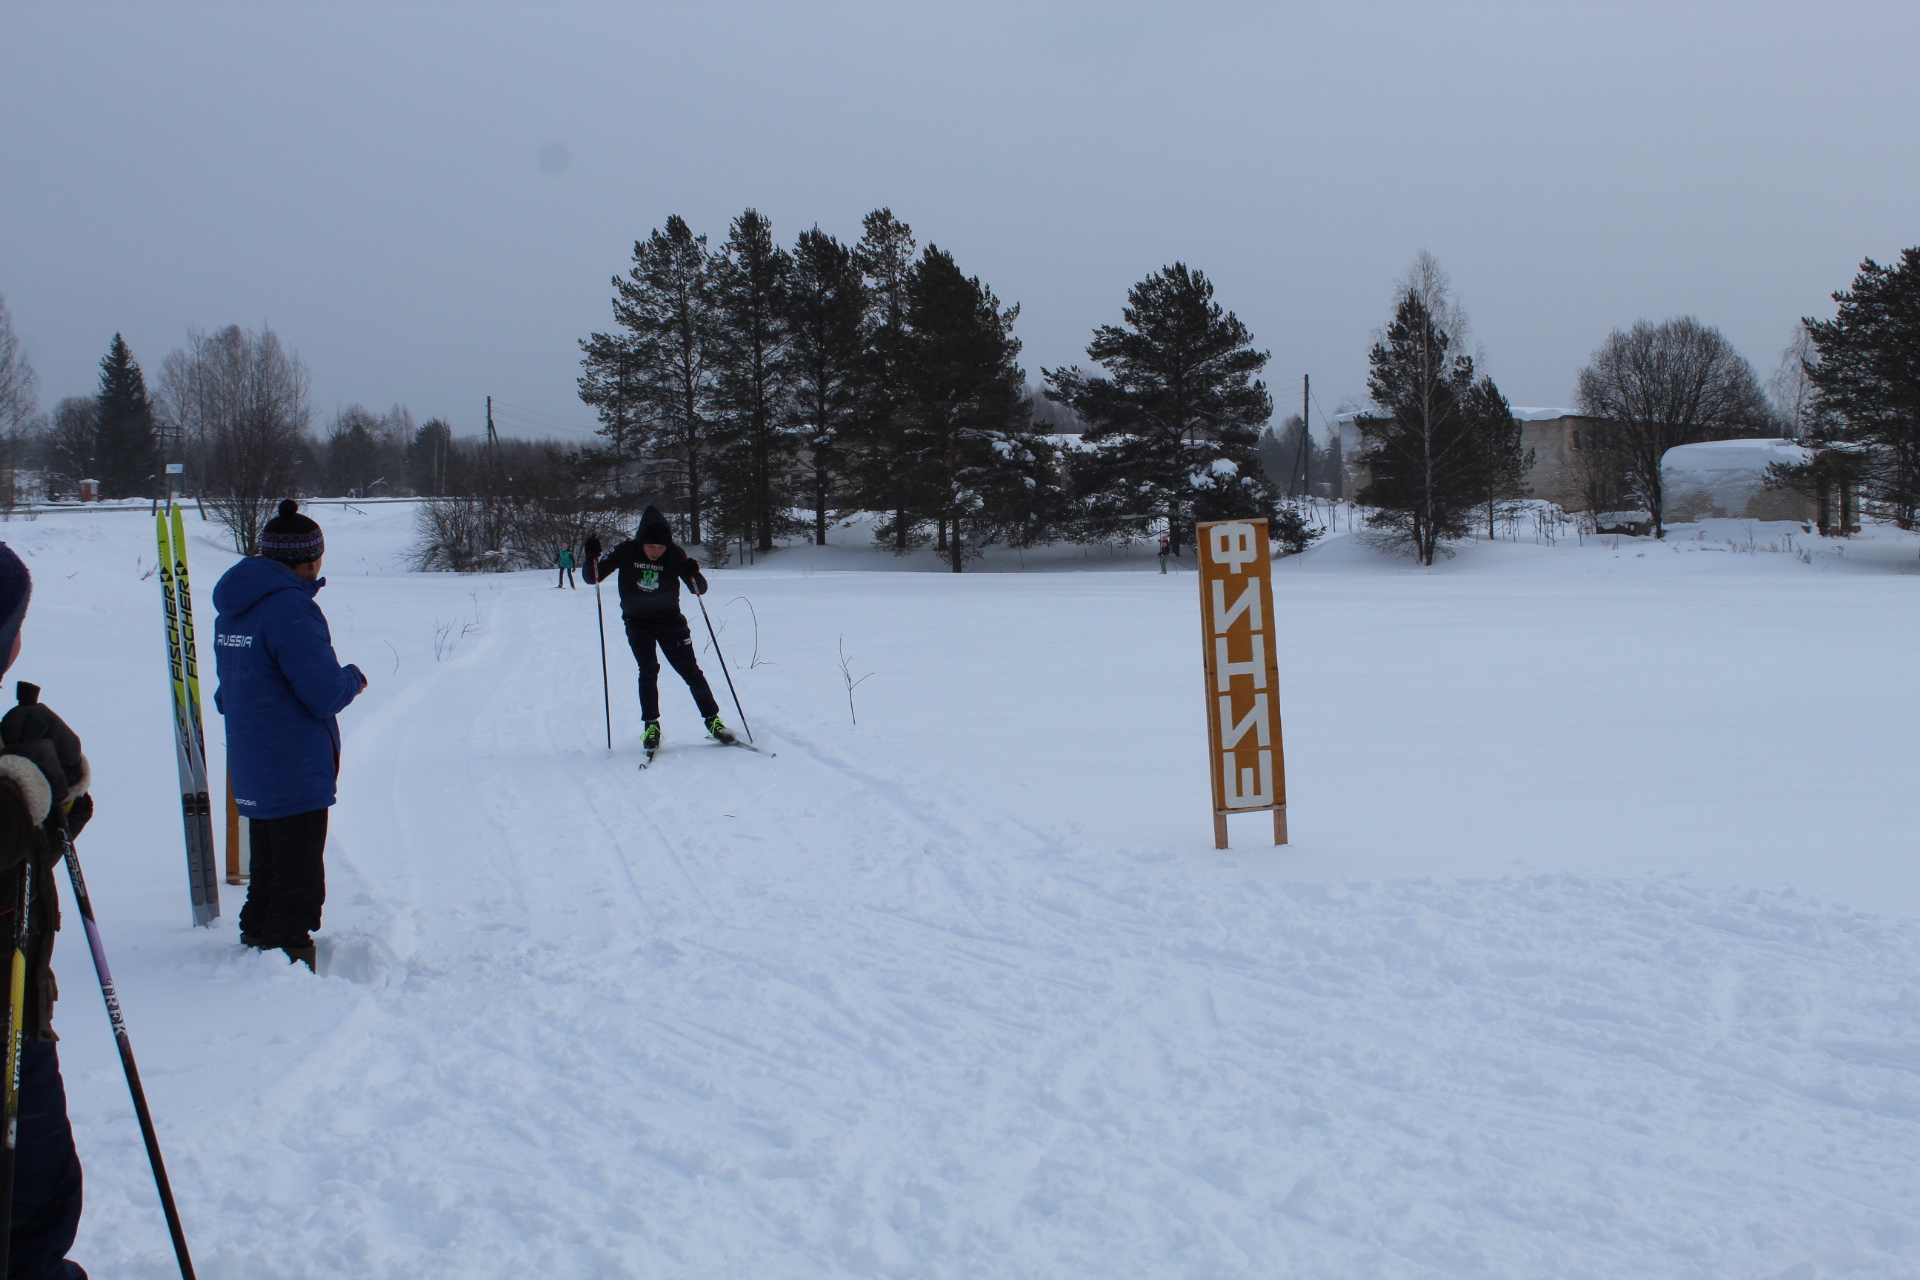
[(1238, 639)]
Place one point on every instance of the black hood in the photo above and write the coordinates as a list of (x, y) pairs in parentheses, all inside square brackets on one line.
[(654, 527)]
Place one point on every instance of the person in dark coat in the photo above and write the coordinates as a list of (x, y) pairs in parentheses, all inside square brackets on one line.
[(36, 785), (280, 688), (650, 569)]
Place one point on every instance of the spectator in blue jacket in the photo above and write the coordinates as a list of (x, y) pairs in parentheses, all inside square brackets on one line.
[(280, 688)]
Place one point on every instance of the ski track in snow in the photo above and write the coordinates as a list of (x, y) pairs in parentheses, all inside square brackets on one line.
[(852, 1011)]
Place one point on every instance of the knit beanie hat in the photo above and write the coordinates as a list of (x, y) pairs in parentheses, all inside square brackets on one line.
[(16, 587), (291, 538), (654, 528)]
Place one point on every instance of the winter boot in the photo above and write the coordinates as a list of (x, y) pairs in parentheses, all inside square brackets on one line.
[(719, 731), (650, 736), (249, 940), (305, 955)]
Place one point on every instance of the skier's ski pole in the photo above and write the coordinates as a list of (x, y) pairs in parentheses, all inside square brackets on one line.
[(16, 1034), (62, 841), (606, 689), (120, 1038), (723, 667)]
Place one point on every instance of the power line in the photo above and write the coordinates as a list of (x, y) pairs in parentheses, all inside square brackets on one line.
[(541, 417)]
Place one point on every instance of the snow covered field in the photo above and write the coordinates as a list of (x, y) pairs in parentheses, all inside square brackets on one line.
[(1594, 955)]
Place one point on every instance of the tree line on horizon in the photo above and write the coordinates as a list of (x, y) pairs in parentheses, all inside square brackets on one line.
[(747, 383), (760, 392)]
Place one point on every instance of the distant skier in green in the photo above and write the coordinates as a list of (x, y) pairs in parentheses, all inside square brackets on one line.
[(651, 568), (566, 571)]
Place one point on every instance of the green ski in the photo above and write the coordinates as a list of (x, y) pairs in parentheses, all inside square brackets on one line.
[(189, 738)]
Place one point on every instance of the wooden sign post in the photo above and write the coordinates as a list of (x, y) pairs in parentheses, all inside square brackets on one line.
[(1237, 634)]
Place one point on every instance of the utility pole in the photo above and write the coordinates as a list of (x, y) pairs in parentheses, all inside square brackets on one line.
[(1297, 477), (493, 448), (1306, 432)]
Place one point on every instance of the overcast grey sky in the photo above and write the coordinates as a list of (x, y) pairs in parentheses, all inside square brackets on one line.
[(367, 178)]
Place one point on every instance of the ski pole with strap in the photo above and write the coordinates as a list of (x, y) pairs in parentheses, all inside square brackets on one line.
[(62, 841)]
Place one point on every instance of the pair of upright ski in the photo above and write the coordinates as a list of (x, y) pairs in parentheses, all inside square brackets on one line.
[(189, 736)]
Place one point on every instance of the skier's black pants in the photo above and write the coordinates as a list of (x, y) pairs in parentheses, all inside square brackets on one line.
[(675, 638), (566, 579), (46, 1173), (288, 881)]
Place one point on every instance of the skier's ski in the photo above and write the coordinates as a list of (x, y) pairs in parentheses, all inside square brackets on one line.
[(189, 742), (744, 746)]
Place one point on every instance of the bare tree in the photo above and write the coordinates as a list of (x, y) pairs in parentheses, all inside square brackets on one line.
[(19, 403), (239, 401), (1791, 387), (1660, 385), (69, 446)]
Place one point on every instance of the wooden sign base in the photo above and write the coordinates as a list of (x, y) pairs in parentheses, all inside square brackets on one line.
[(1279, 826), (239, 850)]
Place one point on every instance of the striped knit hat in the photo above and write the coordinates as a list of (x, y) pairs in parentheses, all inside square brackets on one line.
[(291, 538)]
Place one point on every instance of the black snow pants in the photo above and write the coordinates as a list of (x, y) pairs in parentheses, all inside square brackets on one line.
[(46, 1173), (288, 879), (675, 638)]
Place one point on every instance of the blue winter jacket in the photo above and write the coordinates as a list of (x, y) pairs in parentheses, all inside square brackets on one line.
[(280, 688)]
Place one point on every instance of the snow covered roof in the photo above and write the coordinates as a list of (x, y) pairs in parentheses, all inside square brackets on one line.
[(1732, 455), (1521, 412)]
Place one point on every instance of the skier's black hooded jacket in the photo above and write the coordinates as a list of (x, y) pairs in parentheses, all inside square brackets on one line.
[(650, 589)]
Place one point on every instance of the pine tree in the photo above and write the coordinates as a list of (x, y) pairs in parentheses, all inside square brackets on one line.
[(753, 445), (1501, 443), (127, 450), (888, 478), (1445, 442), (1866, 381), (433, 468), (827, 364), (1177, 422), (967, 414), (654, 383)]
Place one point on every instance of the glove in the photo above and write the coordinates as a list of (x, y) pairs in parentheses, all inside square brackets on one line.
[(592, 566), (40, 738)]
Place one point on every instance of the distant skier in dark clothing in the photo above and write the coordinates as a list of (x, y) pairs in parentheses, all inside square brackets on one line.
[(36, 785), (280, 688), (566, 570), (651, 568)]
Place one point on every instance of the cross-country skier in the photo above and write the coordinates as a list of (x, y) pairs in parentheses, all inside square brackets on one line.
[(651, 568), (566, 570), (280, 688), (33, 784)]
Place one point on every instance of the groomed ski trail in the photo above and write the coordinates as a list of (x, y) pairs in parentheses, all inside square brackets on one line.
[(830, 1015)]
